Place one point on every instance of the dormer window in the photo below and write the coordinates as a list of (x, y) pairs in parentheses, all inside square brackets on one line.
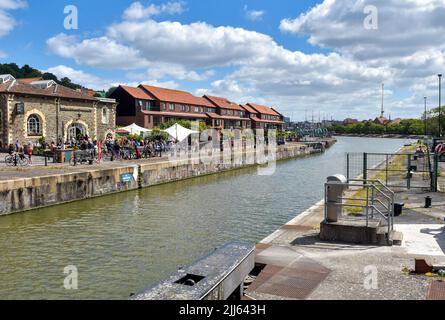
[(43, 84)]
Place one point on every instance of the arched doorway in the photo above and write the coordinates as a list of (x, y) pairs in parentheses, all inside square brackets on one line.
[(76, 130)]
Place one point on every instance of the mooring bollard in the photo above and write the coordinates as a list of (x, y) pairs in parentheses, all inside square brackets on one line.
[(428, 202)]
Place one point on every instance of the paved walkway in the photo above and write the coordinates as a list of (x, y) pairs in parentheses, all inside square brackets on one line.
[(300, 266)]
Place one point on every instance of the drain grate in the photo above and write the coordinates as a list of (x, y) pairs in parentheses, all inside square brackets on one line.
[(296, 281), (436, 291), (268, 272)]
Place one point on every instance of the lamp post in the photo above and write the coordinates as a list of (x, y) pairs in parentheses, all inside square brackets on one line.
[(440, 102), (426, 128)]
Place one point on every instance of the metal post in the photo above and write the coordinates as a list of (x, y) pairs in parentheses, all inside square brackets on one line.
[(436, 173), (387, 165), (426, 128), (365, 167), (440, 107), (372, 201), (367, 206), (408, 180), (347, 167)]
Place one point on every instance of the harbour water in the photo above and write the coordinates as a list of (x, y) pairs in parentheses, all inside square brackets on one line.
[(124, 242)]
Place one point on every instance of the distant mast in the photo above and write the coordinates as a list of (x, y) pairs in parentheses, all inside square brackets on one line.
[(383, 109)]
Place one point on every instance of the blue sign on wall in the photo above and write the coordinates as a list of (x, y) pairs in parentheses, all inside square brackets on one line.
[(126, 177)]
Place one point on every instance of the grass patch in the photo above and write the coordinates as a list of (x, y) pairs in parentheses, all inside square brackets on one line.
[(396, 164)]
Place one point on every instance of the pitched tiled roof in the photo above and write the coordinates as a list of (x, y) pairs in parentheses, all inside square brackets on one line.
[(263, 109), (56, 91), (137, 93), (249, 108), (223, 103), (176, 96)]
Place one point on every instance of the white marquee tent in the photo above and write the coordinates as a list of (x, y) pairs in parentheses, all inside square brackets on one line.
[(179, 133), (135, 129)]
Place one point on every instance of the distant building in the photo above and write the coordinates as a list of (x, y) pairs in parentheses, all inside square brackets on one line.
[(349, 121), (396, 121), (382, 121), (34, 108)]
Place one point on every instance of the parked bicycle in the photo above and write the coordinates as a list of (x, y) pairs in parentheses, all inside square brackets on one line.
[(16, 159), (84, 157)]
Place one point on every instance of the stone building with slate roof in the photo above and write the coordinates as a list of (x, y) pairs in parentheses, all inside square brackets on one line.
[(33, 108)]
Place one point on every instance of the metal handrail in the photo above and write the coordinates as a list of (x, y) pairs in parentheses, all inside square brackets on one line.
[(370, 203), (375, 181)]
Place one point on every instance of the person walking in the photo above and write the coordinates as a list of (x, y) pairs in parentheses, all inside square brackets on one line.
[(17, 146), (30, 150)]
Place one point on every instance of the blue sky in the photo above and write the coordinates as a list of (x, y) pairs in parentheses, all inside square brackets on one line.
[(294, 55)]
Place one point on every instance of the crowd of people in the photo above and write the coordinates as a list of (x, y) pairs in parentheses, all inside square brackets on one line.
[(127, 148), (119, 148)]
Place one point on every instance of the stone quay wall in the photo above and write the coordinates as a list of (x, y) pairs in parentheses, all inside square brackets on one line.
[(45, 190)]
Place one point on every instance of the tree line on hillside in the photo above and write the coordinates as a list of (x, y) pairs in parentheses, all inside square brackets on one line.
[(405, 127), (28, 72)]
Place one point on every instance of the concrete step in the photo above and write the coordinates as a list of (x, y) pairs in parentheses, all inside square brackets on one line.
[(395, 238)]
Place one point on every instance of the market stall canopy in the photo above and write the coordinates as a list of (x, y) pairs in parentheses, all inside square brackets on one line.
[(133, 129), (179, 133)]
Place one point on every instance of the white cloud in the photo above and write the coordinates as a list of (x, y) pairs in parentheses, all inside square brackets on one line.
[(253, 15), (7, 22), (78, 76), (98, 52), (12, 4), (138, 11), (405, 27), (405, 52), (162, 70)]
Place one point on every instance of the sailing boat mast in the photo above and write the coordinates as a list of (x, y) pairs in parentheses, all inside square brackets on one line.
[(383, 93)]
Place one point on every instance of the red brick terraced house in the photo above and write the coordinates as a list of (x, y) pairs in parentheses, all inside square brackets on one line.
[(149, 106), (263, 117), (229, 115)]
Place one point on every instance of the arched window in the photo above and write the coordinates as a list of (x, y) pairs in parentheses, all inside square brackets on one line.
[(104, 116), (34, 125)]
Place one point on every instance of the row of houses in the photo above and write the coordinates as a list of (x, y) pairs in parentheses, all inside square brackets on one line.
[(32, 109), (149, 106)]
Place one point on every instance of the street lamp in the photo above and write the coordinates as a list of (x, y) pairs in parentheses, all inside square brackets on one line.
[(440, 102), (426, 129)]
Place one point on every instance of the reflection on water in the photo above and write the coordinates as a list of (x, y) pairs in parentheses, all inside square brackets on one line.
[(124, 242)]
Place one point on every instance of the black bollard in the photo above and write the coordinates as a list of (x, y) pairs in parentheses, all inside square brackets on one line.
[(428, 202)]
